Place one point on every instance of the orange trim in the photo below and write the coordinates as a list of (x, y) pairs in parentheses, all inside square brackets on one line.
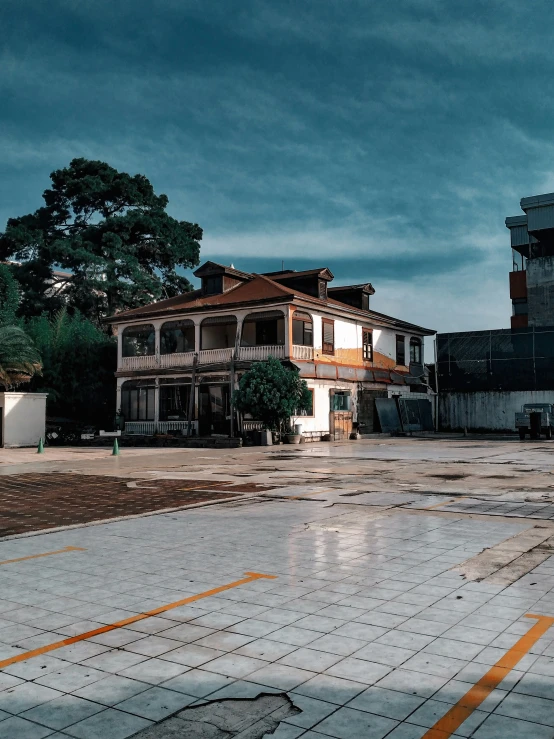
[(251, 576), (451, 721), (46, 554)]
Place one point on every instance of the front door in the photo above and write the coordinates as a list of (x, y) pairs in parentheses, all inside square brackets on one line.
[(340, 415), (214, 410)]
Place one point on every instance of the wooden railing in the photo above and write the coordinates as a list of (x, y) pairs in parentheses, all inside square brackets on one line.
[(257, 353), (149, 428), (179, 359), (215, 355), (134, 363), (302, 352)]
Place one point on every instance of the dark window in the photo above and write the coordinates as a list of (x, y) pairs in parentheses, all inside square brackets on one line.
[(415, 350), (340, 400), (302, 330), (266, 332), (177, 337), (310, 411), (322, 290), (137, 401), (519, 307), (367, 344), (213, 285), (328, 336), (400, 350), (174, 402), (139, 341)]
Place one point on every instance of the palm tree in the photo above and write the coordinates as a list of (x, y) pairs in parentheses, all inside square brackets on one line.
[(19, 358)]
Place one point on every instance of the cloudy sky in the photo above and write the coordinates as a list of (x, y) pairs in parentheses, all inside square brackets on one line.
[(386, 140)]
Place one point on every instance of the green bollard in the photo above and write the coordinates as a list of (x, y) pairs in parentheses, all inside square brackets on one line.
[(40, 448), (115, 451)]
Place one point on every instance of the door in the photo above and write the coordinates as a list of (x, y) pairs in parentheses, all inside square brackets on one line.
[(340, 414), (214, 410), (367, 411)]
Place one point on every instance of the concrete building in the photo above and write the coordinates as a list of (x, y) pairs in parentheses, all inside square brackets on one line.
[(180, 359), (532, 277), (485, 377)]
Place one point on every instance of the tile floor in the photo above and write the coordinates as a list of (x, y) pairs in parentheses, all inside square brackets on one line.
[(365, 627)]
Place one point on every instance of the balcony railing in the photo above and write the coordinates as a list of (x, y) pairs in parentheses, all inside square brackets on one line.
[(302, 352), (134, 363), (215, 355), (148, 428), (179, 359), (257, 353)]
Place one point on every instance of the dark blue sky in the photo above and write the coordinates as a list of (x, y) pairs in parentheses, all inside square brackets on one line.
[(387, 141)]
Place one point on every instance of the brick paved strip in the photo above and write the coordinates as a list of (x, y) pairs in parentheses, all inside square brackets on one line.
[(32, 502)]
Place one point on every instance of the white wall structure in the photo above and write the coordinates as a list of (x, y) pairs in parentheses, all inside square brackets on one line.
[(486, 410), (22, 418)]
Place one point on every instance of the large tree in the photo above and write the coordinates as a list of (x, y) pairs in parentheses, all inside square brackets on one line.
[(110, 232)]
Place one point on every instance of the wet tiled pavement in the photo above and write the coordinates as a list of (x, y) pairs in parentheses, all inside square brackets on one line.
[(365, 624)]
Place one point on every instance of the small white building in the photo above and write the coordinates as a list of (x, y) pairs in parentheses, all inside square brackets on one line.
[(180, 359), (22, 418)]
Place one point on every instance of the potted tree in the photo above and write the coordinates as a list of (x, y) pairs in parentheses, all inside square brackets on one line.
[(272, 393)]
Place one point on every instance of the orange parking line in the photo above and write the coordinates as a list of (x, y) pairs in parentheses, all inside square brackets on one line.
[(451, 721), (46, 554), (250, 577)]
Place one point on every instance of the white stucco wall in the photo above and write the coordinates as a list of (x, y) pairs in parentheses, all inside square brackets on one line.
[(493, 411), (23, 418), (320, 420)]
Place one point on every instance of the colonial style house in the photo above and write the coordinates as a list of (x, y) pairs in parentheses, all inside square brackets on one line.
[(180, 359)]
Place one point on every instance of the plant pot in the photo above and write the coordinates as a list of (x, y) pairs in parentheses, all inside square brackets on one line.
[(293, 438)]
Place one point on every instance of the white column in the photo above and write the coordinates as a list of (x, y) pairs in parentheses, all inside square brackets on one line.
[(288, 336), (157, 397), (119, 347), (120, 381), (197, 330), (157, 342)]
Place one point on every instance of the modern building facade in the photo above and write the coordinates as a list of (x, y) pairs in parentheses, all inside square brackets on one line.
[(180, 359)]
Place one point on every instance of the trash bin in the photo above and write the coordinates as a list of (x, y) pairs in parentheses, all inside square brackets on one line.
[(535, 424), (298, 429)]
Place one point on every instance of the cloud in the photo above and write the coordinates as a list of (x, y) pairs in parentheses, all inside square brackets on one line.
[(385, 139)]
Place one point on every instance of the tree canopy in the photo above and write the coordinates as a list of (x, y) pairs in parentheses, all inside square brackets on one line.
[(9, 297), (79, 365), (272, 393), (110, 232)]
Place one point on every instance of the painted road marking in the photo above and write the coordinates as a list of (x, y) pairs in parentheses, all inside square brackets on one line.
[(46, 554), (250, 577), (451, 721)]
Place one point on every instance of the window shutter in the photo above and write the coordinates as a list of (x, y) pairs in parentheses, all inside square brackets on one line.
[(328, 337)]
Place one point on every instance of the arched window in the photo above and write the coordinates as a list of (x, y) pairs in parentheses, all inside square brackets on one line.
[(218, 332), (139, 341), (266, 328), (302, 329), (177, 337), (415, 350)]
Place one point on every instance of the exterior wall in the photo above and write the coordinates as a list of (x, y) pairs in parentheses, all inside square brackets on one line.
[(540, 291), (319, 422), (23, 418), (486, 410)]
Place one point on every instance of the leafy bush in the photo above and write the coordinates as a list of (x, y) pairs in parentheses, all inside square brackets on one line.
[(272, 393)]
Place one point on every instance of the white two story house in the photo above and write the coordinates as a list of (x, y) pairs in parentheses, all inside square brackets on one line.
[(180, 359)]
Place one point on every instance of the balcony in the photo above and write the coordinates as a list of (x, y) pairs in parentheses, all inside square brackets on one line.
[(305, 353), (207, 356)]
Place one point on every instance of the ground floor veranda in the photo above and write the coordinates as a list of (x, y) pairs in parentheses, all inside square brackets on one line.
[(201, 405)]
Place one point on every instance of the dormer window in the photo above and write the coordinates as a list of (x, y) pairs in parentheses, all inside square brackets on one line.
[(212, 285)]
